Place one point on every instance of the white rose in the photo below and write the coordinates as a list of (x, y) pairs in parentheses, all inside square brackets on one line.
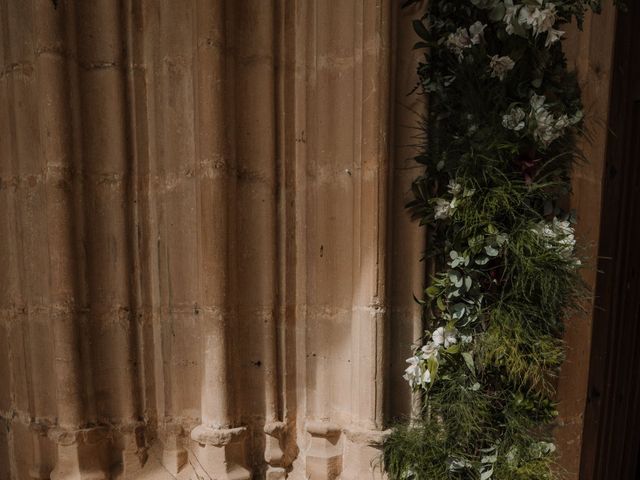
[(514, 120)]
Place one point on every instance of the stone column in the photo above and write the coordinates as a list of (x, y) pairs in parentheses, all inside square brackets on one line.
[(254, 42), (106, 153), (80, 449), (221, 443), (365, 434), (407, 274)]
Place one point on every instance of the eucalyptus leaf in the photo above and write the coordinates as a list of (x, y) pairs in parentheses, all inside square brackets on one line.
[(433, 291), (459, 309), (482, 260), (468, 359), (491, 251), (497, 13)]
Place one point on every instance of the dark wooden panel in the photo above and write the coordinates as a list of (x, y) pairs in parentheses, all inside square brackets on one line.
[(611, 444)]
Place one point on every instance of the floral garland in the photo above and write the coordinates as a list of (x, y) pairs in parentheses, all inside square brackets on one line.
[(504, 112)]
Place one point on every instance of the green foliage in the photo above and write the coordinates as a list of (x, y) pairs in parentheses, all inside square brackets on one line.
[(504, 112)]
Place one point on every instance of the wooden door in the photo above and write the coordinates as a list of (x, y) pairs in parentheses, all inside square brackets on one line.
[(611, 444)]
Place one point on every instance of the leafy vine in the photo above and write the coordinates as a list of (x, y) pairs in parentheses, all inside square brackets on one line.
[(504, 112)]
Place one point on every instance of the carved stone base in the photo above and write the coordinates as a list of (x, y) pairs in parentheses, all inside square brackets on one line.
[(81, 454), (174, 459), (39, 469), (276, 473), (174, 455), (220, 452), (132, 443), (274, 450), (363, 453), (324, 455)]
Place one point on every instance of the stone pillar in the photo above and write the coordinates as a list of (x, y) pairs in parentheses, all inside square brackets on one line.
[(177, 194), (408, 240), (257, 124), (221, 444), (370, 300), (80, 450), (106, 154)]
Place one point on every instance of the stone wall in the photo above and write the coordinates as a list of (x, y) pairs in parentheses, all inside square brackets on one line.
[(205, 260), (206, 268)]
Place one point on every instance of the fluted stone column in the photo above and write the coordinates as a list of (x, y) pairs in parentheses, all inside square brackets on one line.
[(80, 448), (220, 442), (106, 169)]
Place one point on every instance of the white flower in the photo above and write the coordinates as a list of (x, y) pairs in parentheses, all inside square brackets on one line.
[(509, 17), (462, 38), (558, 235), (546, 130), (514, 120), (444, 208), (438, 336), (527, 16), (431, 351), (417, 372), (458, 41), (534, 18), (545, 19), (563, 122), (476, 31), (537, 101), (413, 373), (500, 66), (445, 336), (548, 127), (466, 338), (454, 187), (564, 235), (553, 36)]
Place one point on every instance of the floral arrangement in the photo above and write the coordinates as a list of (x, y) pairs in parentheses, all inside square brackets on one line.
[(504, 112)]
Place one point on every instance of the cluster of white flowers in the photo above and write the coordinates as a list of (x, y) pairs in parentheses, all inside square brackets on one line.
[(417, 373), (422, 364), (547, 127), (443, 207), (499, 66), (465, 38), (558, 235), (538, 18)]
